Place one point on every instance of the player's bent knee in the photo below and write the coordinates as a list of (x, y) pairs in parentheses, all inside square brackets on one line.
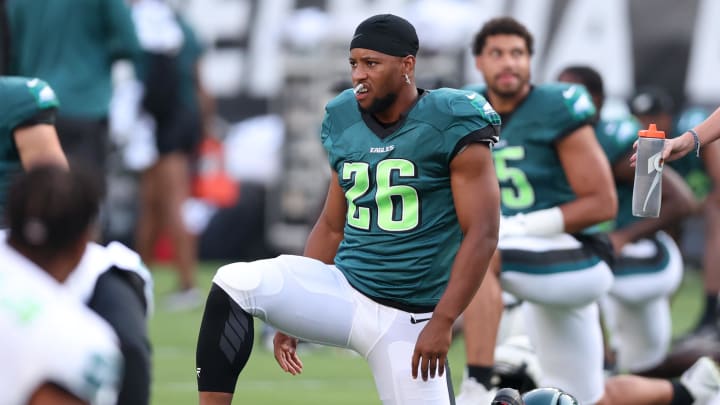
[(252, 284), (239, 276)]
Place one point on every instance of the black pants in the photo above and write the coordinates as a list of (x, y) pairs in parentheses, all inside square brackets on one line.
[(85, 142), (119, 301)]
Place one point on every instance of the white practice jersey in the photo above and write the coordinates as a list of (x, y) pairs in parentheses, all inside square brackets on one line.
[(48, 336), (97, 260)]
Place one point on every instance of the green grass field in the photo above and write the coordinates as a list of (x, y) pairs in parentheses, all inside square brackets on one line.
[(331, 376)]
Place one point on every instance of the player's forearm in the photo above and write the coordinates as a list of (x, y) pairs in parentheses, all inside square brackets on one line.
[(709, 130), (589, 210), (469, 269)]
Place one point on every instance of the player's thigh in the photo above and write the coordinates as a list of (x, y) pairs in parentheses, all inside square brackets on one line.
[(556, 270), (647, 269), (569, 348), (300, 296), (641, 332), (391, 359)]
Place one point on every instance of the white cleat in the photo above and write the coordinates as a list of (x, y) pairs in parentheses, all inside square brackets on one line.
[(702, 379), (474, 393)]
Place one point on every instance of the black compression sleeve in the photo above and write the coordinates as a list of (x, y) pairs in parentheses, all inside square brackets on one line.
[(224, 343)]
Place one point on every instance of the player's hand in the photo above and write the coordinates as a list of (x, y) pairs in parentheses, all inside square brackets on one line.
[(678, 147), (285, 350), (431, 349), (674, 149)]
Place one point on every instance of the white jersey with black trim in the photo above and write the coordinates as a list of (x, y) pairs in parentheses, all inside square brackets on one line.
[(49, 336), (97, 260)]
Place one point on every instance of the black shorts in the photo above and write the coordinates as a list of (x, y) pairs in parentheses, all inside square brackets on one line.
[(84, 141), (180, 133)]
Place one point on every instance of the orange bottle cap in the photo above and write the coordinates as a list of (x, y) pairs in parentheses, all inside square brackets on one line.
[(651, 132)]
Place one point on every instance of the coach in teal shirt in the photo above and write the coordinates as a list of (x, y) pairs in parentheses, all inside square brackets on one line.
[(72, 44)]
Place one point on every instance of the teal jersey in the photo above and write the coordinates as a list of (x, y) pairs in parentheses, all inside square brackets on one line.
[(401, 232), (616, 138), (526, 162), (72, 44), (690, 167), (188, 59), (22, 101)]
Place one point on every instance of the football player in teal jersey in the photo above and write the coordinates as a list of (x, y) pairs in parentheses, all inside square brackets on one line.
[(555, 182), (648, 266), (27, 132), (402, 243)]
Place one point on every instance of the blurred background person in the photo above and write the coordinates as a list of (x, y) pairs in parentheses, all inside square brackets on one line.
[(177, 109), (27, 132), (72, 46), (60, 352)]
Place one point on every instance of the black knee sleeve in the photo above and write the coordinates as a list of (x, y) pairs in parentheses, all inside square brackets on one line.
[(224, 344)]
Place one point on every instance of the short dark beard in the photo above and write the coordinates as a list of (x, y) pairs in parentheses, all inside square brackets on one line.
[(381, 104), (505, 94)]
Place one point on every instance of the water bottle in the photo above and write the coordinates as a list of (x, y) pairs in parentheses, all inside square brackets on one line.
[(647, 189)]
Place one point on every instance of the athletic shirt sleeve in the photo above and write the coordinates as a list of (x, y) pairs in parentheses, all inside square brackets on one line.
[(340, 113), (568, 108), (469, 119), (476, 119), (27, 101)]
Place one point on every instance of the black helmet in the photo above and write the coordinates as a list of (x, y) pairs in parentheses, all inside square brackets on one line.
[(507, 396), (548, 396)]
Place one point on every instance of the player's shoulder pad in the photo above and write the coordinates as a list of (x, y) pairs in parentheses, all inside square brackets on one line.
[(622, 127), (463, 103), (342, 102), (43, 95), (569, 99), (622, 131), (342, 110), (690, 118), (124, 257)]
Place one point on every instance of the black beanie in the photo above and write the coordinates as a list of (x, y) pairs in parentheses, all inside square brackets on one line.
[(388, 34)]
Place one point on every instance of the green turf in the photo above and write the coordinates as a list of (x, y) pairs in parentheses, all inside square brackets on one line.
[(331, 376)]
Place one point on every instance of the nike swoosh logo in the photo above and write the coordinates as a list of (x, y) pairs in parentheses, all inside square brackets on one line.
[(414, 321), (569, 92), (357, 36), (471, 96), (654, 184)]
